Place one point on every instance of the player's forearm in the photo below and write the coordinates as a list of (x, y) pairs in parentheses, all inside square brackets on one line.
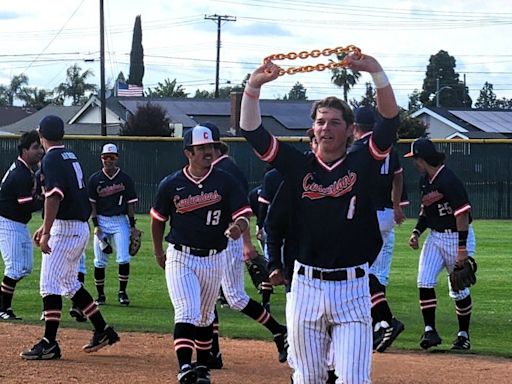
[(385, 97), (51, 207), (250, 116), (396, 191), (462, 221), (157, 235)]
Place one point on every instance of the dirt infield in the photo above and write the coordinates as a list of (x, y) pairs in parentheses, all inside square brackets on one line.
[(150, 358)]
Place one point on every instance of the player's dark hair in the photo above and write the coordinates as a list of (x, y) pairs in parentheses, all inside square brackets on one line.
[(222, 147), (334, 103), (26, 140), (435, 160)]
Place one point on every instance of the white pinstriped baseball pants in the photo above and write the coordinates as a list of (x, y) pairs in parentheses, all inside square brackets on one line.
[(16, 248), (342, 308), (233, 276), (118, 228), (193, 283), (68, 239), (440, 251), (382, 264)]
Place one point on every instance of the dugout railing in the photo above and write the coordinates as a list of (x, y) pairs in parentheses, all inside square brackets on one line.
[(483, 165)]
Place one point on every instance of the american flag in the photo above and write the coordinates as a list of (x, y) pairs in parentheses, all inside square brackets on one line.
[(124, 89)]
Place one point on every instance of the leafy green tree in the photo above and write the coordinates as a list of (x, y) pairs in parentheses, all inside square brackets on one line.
[(487, 98), (167, 89), (148, 120), (369, 100), (410, 128), (414, 101), (202, 94), (36, 98), (298, 92), (136, 55), (450, 90), (504, 103), (4, 97), (76, 85), (344, 78)]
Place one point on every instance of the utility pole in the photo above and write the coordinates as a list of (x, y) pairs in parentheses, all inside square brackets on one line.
[(102, 73), (219, 18)]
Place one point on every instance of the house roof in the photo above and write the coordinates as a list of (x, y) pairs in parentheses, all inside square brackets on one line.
[(473, 123), (10, 115)]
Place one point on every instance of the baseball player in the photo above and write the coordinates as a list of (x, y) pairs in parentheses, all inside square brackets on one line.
[(237, 251), (446, 211), (18, 199), (113, 197), (62, 238), (203, 205), (338, 229), (388, 198)]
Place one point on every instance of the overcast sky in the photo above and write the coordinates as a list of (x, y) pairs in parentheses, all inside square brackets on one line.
[(43, 38)]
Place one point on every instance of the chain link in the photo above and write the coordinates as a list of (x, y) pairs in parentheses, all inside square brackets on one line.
[(314, 53)]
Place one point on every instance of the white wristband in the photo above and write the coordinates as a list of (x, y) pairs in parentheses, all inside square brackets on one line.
[(380, 79)]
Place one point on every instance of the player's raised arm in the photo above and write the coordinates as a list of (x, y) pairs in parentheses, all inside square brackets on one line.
[(250, 117), (386, 102)]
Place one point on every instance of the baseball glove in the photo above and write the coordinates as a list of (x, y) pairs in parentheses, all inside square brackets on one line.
[(464, 276), (135, 241), (258, 271)]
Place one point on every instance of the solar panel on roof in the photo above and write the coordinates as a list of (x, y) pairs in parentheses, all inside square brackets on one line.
[(487, 121)]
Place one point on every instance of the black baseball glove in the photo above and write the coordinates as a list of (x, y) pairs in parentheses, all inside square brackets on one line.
[(464, 276), (258, 271)]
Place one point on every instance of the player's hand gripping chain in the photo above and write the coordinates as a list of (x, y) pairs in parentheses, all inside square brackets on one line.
[(351, 49)]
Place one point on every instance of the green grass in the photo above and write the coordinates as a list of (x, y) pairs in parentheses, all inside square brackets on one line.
[(151, 310)]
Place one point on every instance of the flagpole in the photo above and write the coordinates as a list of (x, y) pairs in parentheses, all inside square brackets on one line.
[(102, 74)]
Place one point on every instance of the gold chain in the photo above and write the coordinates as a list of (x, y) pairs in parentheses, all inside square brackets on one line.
[(314, 53)]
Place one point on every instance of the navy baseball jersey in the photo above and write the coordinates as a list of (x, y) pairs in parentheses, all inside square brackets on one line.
[(442, 199), (62, 174), (17, 193), (199, 212), (338, 226), (227, 164), (271, 182), (111, 194), (382, 184)]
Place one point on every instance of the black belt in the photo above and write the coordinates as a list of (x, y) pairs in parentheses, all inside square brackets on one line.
[(340, 275), (195, 251), (445, 231)]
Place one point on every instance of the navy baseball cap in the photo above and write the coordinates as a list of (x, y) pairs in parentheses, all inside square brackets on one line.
[(422, 148), (51, 127), (215, 130), (198, 135), (365, 115)]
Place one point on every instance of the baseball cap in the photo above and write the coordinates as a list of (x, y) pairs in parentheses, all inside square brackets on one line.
[(422, 148), (109, 148), (365, 115), (215, 130), (198, 135), (51, 127)]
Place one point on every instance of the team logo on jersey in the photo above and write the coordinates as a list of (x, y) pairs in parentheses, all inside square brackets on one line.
[(191, 203), (338, 188), (431, 197), (110, 190)]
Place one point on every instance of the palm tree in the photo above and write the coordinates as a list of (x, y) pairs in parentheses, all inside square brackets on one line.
[(14, 88), (36, 98), (344, 78), (76, 86)]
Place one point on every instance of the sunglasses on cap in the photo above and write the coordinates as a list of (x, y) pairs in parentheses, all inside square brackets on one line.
[(109, 157)]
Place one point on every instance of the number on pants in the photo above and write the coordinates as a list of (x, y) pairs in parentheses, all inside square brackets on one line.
[(213, 217)]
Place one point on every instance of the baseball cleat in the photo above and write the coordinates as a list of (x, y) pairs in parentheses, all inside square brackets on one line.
[(8, 314), (377, 337), (101, 300), (203, 375), (101, 339), (281, 340), (215, 361), (77, 314), (430, 339), (389, 334), (187, 375), (461, 343), (44, 350), (123, 298)]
